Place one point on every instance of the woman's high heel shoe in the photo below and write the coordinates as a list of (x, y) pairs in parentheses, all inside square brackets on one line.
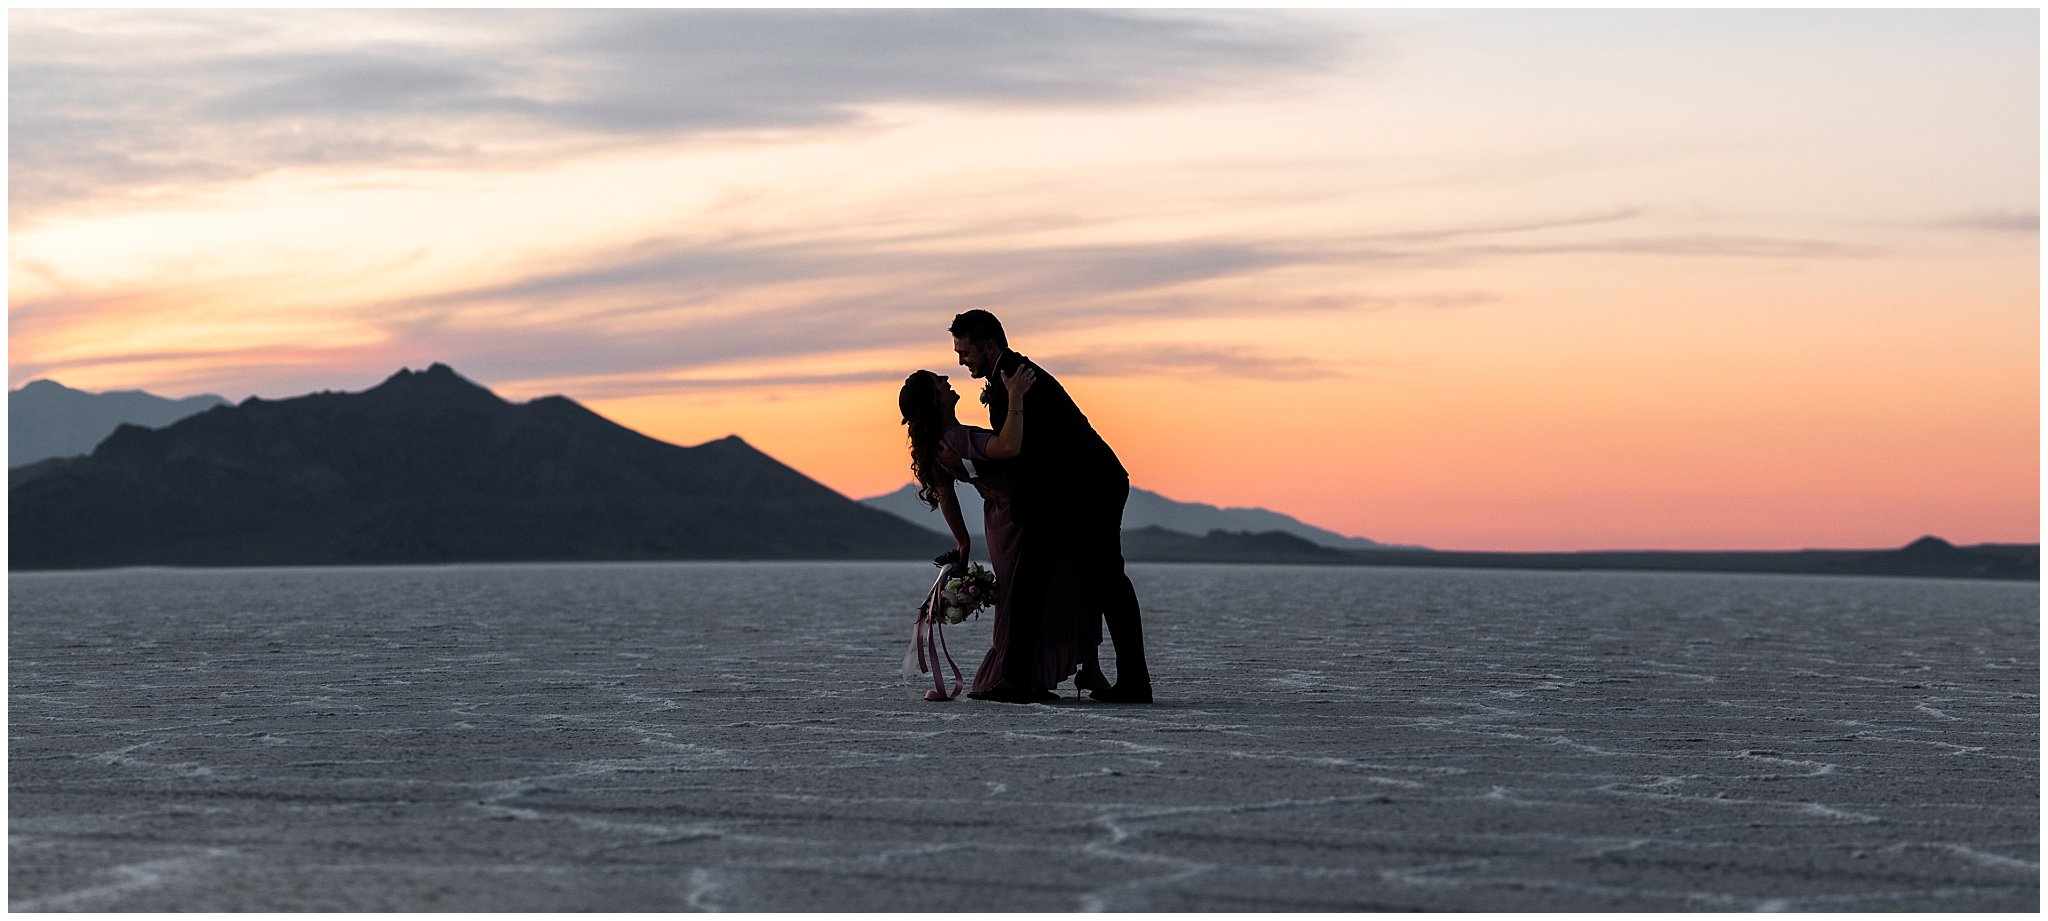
[(1090, 679)]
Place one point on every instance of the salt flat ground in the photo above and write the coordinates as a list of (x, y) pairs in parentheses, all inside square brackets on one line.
[(736, 736)]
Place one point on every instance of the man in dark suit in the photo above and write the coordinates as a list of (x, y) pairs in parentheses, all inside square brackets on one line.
[(1068, 493)]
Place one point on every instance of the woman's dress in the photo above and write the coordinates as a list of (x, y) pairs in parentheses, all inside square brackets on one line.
[(1070, 627)]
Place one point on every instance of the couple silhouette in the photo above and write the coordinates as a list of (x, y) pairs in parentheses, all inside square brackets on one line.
[(1053, 497)]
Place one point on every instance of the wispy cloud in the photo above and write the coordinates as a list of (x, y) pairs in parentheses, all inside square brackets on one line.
[(2013, 221), (1171, 360), (1226, 362), (343, 86), (1705, 245), (665, 70), (1614, 232), (1419, 235), (678, 312), (634, 386), (106, 106), (668, 306), (683, 278)]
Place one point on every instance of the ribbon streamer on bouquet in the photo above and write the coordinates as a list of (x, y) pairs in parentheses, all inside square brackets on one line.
[(930, 639)]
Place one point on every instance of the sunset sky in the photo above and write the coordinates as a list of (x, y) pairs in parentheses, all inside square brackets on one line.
[(1465, 279)]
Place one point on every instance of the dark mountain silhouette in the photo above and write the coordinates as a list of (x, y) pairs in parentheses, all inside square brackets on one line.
[(428, 467), (1146, 509), (46, 419), (1932, 556), (1156, 544), (1928, 556), (26, 472)]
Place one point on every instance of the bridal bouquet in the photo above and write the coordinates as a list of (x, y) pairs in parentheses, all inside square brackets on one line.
[(965, 593), (957, 592)]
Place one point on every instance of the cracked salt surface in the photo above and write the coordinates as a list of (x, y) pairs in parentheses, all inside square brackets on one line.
[(734, 737)]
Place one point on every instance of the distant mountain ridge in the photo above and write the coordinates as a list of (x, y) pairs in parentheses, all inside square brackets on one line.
[(1928, 557), (1146, 509), (1156, 544), (46, 419), (428, 467)]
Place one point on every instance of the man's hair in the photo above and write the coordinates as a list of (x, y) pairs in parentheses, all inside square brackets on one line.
[(979, 326)]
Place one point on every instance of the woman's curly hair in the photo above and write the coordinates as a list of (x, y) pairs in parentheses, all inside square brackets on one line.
[(919, 403)]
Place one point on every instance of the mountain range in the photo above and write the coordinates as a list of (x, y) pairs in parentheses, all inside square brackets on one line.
[(427, 467), (1146, 509), (46, 419)]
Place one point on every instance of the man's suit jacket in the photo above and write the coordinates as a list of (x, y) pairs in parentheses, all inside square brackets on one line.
[(1065, 465)]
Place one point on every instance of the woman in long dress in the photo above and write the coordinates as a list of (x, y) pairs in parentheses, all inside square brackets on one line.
[(944, 451)]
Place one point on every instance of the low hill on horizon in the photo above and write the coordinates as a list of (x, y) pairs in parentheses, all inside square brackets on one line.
[(46, 419), (1161, 545), (1146, 509), (1930, 557), (427, 467)]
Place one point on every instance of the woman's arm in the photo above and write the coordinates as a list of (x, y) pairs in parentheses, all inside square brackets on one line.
[(1009, 442), (949, 506)]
